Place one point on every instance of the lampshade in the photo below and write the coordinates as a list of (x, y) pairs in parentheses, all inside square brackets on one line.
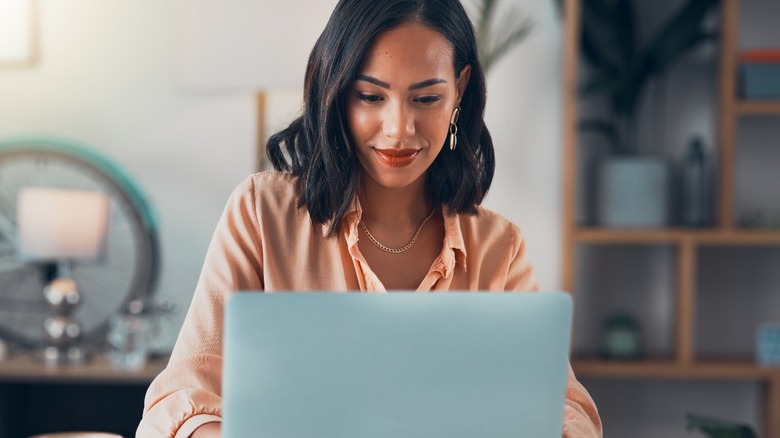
[(246, 45), (55, 224)]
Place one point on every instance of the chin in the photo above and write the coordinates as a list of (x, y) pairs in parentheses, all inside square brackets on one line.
[(395, 179)]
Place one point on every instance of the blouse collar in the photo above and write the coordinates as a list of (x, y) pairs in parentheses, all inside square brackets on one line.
[(454, 250)]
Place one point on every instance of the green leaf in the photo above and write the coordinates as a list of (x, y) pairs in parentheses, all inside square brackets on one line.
[(601, 35), (716, 428), (494, 41), (680, 34), (621, 69), (626, 41), (597, 56), (598, 84), (633, 84), (605, 128), (510, 31)]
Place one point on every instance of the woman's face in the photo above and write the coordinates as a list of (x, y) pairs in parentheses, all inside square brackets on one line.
[(400, 106)]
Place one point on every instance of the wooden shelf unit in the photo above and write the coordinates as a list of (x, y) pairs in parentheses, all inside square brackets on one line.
[(757, 108), (684, 364), (26, 368), (658, 369), (678, 236)]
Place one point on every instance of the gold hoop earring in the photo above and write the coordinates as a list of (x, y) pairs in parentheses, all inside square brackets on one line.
[(454, 128)]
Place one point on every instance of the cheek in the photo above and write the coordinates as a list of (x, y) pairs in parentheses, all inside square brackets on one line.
[(437, 126), (359, 124)]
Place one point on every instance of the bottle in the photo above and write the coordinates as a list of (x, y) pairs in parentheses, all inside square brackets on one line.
[(694, 212)]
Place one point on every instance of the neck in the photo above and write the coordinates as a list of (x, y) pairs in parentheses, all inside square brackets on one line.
[(403, 207)]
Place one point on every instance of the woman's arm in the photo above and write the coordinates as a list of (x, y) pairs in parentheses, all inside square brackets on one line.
[(580, 416), (187, 394), (208, 430)]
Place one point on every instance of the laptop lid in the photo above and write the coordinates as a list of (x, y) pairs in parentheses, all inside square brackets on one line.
[(354, 365)]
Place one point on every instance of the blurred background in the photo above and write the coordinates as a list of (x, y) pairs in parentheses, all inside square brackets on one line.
[(171, 103)]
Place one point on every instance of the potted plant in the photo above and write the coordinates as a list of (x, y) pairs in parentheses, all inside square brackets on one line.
[(632, 189), (494, 40), (717, 428)]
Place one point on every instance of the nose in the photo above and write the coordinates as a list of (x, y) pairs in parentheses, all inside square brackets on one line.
[(398, 123)]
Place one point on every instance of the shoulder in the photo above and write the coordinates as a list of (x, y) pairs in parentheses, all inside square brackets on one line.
[(496, 248), (271, 183), (269, 195), (488, 223), (488, 232), (271, 188)]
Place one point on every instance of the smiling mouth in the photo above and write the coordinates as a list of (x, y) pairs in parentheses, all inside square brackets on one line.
[(397, 157)]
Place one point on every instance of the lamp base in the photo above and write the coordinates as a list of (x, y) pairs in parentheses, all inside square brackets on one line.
[(63, 331)]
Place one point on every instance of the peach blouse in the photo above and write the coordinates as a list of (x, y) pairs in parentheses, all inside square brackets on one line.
[(264, 242)]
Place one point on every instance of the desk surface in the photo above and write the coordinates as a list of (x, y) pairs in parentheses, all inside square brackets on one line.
[(26, 368)]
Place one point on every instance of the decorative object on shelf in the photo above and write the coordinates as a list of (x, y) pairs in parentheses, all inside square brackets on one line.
[(128, 338), (162, 327), (694, 186), (634, 192), (127, 269), (495, 41), (622, 337), (768, 345), (716, 428), (761, 219), (759, 74), (56, 228), (140, 331), (621, 70)]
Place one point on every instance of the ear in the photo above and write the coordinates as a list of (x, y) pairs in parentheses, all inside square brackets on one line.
[(463, 81)]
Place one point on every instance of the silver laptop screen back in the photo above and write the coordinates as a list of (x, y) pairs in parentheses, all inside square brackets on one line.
[(352, 365)]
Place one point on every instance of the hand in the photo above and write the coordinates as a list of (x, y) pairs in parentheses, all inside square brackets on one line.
[(208, 430)]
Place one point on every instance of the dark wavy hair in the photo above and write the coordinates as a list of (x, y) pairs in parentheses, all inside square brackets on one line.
[(318, 147)]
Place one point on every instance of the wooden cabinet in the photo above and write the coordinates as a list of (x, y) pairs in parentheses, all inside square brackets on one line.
[(682, 360), (37, 399)]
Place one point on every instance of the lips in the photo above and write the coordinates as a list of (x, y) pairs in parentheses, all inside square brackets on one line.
[(397, 157)]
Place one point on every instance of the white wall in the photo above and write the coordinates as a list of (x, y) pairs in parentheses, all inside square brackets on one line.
[(107, 77), (524, 116)]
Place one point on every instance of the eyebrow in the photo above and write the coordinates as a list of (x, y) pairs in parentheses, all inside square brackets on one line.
[(417, 86)]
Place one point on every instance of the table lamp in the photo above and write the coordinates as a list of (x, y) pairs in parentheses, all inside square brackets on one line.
[(57, 228)]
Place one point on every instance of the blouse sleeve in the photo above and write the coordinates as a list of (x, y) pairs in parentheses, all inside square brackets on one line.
[(520, 275), (188, 392), (580, 416)]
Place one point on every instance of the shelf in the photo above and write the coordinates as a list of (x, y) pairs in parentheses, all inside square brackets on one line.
[(758, 107), (690, 268), (710, 236), (25, 368), (710, 370)]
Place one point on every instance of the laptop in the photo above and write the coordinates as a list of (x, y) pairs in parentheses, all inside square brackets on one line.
[(400, 364)]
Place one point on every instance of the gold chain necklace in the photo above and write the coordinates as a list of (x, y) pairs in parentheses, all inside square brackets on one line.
[(395, 250)]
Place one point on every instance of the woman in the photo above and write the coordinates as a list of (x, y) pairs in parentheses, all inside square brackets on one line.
[(380, 185)]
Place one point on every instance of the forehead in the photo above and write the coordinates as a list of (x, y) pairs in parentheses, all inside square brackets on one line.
[(409, 50)]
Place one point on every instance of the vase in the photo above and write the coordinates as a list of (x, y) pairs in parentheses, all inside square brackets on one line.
[(634, 192)]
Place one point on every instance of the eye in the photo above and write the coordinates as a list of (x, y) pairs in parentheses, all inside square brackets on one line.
[(428, 99), (369, 97)]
